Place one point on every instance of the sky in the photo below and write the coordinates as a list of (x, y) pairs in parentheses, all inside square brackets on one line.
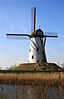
[(15, 17)]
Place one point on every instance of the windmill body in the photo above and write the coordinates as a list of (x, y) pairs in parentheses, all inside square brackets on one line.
[(37, 48)]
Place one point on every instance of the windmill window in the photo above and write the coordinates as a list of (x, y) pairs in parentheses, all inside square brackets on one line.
[(37, 61), (29, 50), (32, 56)]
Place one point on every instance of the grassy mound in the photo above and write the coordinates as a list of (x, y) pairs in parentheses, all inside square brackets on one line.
[(37, 66)]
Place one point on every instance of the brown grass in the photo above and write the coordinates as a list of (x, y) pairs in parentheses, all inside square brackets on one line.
[(38, 85), (46, 79)]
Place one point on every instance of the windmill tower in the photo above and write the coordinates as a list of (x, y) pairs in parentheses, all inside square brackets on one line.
[(37, 43)]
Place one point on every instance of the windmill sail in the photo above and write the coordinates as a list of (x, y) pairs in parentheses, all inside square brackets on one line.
[(50, 34), (33, 19), (18, 36)]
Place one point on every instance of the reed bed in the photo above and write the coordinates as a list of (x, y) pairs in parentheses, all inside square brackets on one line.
[(46, 79), (32, 86), (30, 92)]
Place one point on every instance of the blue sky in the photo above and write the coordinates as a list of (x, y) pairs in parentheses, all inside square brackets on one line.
[(15, 17)]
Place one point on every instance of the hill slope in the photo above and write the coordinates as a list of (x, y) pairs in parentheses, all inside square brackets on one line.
[(37, 66)]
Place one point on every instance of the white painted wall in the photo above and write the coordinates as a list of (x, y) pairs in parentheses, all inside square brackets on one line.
[(34, 44)]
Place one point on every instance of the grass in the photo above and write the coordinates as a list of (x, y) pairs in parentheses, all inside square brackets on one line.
[(30, 92), (37, 66), (46, 79), (38, 85)]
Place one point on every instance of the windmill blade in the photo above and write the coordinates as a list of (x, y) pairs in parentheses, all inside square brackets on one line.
[(34, 17), (51, 34), (32, 22), (18, 35)]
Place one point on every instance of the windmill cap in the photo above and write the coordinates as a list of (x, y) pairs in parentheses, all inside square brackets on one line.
[(37, 33)]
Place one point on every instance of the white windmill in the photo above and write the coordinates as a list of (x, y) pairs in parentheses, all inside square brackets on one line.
[(37, 43)]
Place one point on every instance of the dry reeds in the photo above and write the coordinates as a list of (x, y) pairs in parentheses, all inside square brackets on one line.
[(32, 86), (46, 79)]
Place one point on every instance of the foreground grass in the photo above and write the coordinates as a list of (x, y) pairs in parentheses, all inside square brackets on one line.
[(45, 79)]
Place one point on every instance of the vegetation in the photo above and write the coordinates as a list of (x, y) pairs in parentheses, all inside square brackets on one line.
[(42, 85), (37, 66), (46, 79), (30, 92)]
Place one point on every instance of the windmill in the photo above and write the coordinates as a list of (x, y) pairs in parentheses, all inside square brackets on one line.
[(37, 43)]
